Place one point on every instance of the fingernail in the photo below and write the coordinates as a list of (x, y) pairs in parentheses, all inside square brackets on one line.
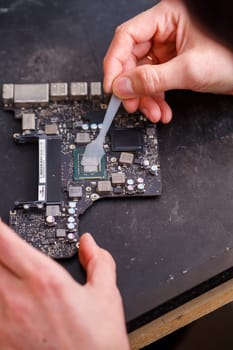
[(89, 239), (167, 118), (123, 87)]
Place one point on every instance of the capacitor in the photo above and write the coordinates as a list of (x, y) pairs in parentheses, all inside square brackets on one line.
[(141, 187), (71, 236), (130, 189), (146, 163), (50, 220), (71, 211), (93, 126), (130, 182), (71, 227), (72, 204), (85, 127), (71, 219), (154, 169), (140, 180)]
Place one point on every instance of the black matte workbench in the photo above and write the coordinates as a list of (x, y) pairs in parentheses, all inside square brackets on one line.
[(163, 246)]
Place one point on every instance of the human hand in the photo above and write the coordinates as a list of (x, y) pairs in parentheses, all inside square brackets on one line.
[(163, 49), (42, 307)]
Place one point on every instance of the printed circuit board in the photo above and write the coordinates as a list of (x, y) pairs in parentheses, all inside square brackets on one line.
[(61, 119)]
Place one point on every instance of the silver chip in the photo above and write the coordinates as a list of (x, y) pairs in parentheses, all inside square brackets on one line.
[(126, 158), (104, 186), (95, 89), (79, 90), (8, 93), (75, 191), (82, 137), (28, 121), (51, 129), (37, 94), (118, 178), (53, 210), (58, 91), (61, 232)]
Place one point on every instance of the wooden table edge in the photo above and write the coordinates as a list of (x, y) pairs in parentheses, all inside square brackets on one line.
[(182, 316)]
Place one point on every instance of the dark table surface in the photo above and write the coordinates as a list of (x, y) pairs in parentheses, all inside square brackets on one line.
[(163, 246)]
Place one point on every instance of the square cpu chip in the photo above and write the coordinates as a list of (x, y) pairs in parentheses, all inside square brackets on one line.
[(79, 171)]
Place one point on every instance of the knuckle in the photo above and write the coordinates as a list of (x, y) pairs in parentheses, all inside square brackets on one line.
[(193, 72), (55, 282), (148, 80), (120, 28)]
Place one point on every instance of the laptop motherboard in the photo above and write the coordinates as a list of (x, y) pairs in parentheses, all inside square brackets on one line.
[(61, 119)]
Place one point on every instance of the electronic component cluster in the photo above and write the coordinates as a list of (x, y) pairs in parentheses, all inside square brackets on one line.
[(61, 119)]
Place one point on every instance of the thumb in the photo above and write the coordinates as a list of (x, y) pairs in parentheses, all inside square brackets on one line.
[(98, 263), (147, 80)]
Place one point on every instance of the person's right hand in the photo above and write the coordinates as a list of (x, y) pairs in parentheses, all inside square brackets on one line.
[(163, 49)]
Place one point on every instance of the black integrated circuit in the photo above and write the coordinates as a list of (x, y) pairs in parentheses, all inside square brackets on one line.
[(127, 140), (62, 119)]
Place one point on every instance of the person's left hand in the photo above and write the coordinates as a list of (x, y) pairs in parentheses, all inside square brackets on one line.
[(42, 307)]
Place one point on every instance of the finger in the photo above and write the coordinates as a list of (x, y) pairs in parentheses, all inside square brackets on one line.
[(156, 108), (141, 50), (17, 255), (131, 105), (166, 112), (147, 80), (97, 262), (128, 35), (150, 109), (148, 59)]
